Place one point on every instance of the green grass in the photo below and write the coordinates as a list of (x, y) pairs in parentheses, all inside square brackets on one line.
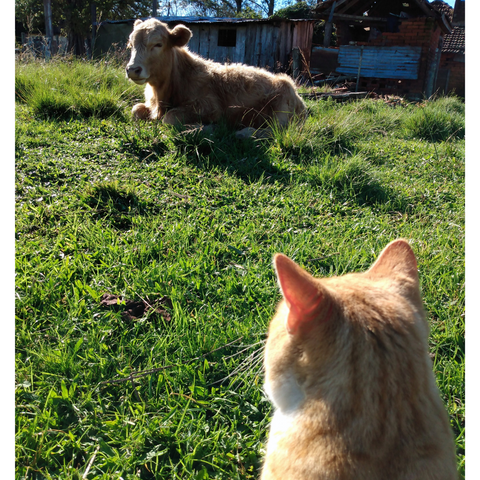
[(62, 90), (150, 213)]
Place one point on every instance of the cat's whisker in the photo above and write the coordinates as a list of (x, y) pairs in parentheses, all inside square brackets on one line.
[(255, 359), (242, 367), (249, 347), (249, 368)]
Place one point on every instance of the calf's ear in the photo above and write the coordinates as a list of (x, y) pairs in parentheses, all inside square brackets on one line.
[(137, 23), (180, 36)]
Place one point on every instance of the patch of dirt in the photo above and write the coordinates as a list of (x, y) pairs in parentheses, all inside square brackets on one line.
[(136, 309)]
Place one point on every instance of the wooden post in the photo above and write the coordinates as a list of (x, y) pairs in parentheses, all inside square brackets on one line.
[(296, 62), (154, 8), (327, 36), (47, 10), (359, 68), (93, 14), (432, 74), (447, 79)]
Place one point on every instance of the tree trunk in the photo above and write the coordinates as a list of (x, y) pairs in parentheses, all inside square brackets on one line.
[(93, 15), (271, 6)]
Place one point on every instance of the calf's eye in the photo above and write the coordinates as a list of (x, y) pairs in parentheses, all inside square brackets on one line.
[(159, 45)]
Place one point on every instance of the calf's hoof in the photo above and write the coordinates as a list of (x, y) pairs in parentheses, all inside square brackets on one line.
[(141, 112)]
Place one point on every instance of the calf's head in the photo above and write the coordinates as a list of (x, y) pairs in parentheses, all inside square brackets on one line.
[(152, 43)]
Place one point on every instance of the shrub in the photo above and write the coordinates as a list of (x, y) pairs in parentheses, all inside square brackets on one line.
[(438, 120)]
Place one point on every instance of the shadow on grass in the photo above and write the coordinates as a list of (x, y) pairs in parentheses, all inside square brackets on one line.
[(116, 203), (203, 148), (332, 167), (247, 159), (352, 178), (57, 107)]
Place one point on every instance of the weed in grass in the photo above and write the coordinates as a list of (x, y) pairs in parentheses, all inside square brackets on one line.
[(147, 141), (194, 143)]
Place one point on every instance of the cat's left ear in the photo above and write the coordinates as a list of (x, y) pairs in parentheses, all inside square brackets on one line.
[(303, 294), (396, 258)]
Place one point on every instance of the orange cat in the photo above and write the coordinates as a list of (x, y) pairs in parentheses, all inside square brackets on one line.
[(348, 371)]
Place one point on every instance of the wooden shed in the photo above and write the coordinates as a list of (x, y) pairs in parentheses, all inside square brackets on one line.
[(261, 42), (391, 46)]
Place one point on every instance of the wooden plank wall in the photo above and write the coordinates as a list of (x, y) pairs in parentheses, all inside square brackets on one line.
[(266, 45), (302, 38), (261, 44), (250, 57)]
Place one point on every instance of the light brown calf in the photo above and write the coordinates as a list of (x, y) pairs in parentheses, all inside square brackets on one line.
[(182, 87)]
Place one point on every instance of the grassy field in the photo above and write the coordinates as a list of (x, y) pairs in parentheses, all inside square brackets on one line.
[(144, 283)]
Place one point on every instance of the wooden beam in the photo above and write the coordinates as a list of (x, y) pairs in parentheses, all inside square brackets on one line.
[(348, 6), (355, 18), (327, 10), (445, 25), (423, 7), (362, 7), (338, 3)]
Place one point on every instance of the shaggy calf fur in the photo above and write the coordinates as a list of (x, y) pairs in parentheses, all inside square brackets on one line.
[(182, 87)]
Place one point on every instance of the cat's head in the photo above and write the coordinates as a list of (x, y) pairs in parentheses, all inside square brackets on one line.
[(327, 329)]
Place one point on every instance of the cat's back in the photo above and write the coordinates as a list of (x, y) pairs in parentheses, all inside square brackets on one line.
[(348, 371)]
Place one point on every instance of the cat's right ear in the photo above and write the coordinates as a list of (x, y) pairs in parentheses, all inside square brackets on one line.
[(305, 299), (396, 258)]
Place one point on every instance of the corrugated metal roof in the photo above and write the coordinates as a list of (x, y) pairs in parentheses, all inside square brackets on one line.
[(195, 19)]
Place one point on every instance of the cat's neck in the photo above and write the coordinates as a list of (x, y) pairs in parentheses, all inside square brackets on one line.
[(287, 395)]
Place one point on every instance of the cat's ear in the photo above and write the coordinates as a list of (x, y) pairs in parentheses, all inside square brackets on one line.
[(396, 258), (303, 294)]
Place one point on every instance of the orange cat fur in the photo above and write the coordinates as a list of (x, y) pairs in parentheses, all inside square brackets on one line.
[(348, 371)]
